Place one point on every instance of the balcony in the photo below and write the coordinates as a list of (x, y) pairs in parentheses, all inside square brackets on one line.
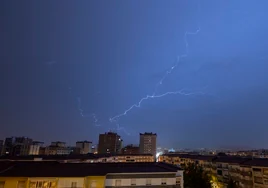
[(236, 178), (246, 183), (257, 173), (234, 170), (219, 166), (246, 173), (214, 168), (225, 167)]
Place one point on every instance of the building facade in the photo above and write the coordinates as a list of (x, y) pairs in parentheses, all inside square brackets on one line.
[(148, 143), (84, 146), (245, 172), (17, 146), (35, 148), (85, 158), (130, 149), (58, 148), (109, 143), (51, 175), (141, 180)]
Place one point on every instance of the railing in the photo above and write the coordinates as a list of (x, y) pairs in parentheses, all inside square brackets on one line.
[(234, 170), (246, 173), (256, 173), (246, 182)]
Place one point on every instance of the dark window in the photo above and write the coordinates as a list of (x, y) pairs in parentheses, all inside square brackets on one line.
[(219, 172), (256, 169)]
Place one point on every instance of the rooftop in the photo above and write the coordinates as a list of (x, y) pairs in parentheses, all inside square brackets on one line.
[(65, 157), (85, 141), (224, 159), (148, 133), (256, 162), (55, 169), (189, 156), (231, 159)]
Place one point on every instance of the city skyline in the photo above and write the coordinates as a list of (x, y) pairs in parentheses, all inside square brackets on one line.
[(194, 73), (95, 143)]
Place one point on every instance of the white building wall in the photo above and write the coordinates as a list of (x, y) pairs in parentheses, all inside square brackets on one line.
[(66, 183), (141, 181), (180, 174), (34, 150)]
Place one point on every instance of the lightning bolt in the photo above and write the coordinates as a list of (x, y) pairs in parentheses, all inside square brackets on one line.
[(171, 69), (93, 116), (168, 72), (138, 105), (79, 106), (179, 58), (95, 119), (119, 128), (154, 95)]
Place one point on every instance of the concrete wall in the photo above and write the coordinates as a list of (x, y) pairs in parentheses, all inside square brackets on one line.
[(67, 182), (141, 181), (12, 182), (179, 174)]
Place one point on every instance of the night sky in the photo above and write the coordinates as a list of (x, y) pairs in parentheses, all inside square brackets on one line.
[(68, 66)]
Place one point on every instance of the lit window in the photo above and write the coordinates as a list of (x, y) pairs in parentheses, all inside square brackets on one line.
[(164, 181), (74, 185), (39, 184), (178, 181), (2, 184), (32, 185), (133, 181), (148, 182), (21, 184), (52, 184), (117, 182), (93, 184), (42, 184)]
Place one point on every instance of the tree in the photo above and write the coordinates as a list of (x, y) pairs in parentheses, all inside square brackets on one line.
[(195, 176), (232, 184)]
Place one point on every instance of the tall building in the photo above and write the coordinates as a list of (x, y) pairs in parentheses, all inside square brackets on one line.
[(148, 143), (84, 146), (8, 146), (35, 148), (17, 146), (58, 148), (109, 143)]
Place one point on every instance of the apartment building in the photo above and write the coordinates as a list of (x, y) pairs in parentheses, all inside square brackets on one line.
[(246, 172), (130, 149), (84, 147), (58, 148), (35, 148), (148, 143), (183, 159), (246, 180), (141, 158), (109, 143), (256, 172), (100, 175), (227, 167), (17, 146), (88, 158)]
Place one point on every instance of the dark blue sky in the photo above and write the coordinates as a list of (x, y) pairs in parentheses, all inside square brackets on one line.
[(61, 57)]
